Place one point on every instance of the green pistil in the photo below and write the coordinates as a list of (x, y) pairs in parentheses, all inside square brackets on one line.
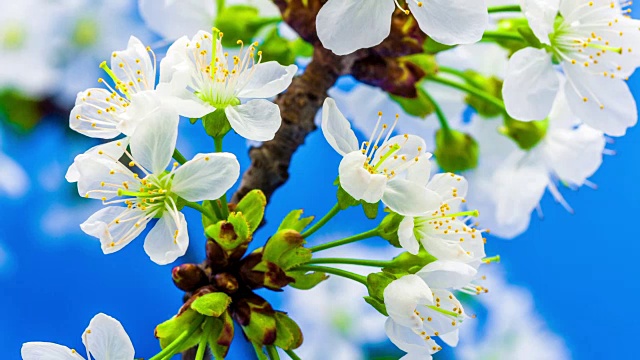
[(140, 194), (473, 213), (444, 312), (85, 33), (493, 259), (393, 149), (214, 48), (115, 78)]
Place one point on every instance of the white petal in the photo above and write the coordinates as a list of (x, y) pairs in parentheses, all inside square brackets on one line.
[(357, 181), (444, 274), (90, 117), (265, 80), (115, 235), (106, 339), (113, 149), (337, 129), (541, 15), (407, 340), (257, 120), (47, 351), (402, 297), (97, 171), (451, 22), (531, 85), (173, 19), (134, 67), (186, 103), (340, 24), (408, 198), (14, 181), (206, 176), (575, 154), (407, 237), (169, 239), (610, 106), (449, 186), (143, 106), (153, 142)]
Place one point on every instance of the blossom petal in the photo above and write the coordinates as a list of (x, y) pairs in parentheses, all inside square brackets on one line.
[(265, 80), (115, 226), (402, 297), (340, 23), (451, 22), (14, 181), (541, 15), (575, 154), (407, 340), (113, 149), (106, 339), (609, 106), (134, 67), (445, 274), (173, 19), (357, 181), (206, 176), (48, 351), (337, 129), (408, 198), (257, 120), (96, 114), (530, 86), (407, 237), (449, 186), (169, 239), (98, 174), (142, 107), (153, 142)]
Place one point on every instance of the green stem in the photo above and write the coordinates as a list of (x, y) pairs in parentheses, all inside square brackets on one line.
[(220, 5), (202, 346), (179, 157), (259, 353), (501, 35), (470, 89), (218, 143), (201, 209), (349, 261), (334, 210), (292, 355), (170, 350), (504, 8), (365, 235), (273, 352), (461, 74), (442, 118), (223, 199), (339, 272)]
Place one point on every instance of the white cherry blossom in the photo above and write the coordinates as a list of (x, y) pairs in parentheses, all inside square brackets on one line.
[(101, 176), (199, 82), (104, 339), (107, 113), (394, 170), (340, 23), (593, 42)]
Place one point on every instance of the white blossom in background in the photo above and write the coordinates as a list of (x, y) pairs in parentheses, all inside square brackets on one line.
[(393, 171), (91, 29), (513, 330), (14, 181), (594, 44), (104, 339), (28, 47), (510, 182), (108, 113), (199, 82), (155, 195), (173, 19), (340, 22)]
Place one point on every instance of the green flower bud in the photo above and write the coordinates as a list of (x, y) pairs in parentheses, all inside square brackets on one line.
[(456, 151), (288, 333), (490, 85), (257, 318), (526, 134), (252, 208)]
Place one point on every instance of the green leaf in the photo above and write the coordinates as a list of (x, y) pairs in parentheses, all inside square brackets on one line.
[(370, 210), (221, 336), (252, 208), (377, 304), (285, 249), (306, 281), (240, 225), (169, 330), (211, 304), (345, 200), (293, 221), (288, 333)]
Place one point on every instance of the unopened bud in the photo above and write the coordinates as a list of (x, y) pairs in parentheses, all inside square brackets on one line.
[(188, 277), (226, 282), (456, 151), (526, 134)]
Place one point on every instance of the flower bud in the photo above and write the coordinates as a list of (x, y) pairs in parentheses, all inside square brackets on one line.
[(490, 85), (188, 277), (257, 318), (526, 134), (226, 282), (456, 151)]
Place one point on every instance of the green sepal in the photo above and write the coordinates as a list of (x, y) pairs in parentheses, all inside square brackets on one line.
[(216, 123), (262, 324), (528, 36), (169, 330), (288, 333), (285, 249), (420, 106), (407, 263), (293, 221), (425, 62), (211, 304), (370, 210), (193, 120), (221, 336), (377, 304), (306, 281), (431, 46), (345, 200), (252, 208), (456, 151), (527, 134), (377, 282), (388, 228)]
